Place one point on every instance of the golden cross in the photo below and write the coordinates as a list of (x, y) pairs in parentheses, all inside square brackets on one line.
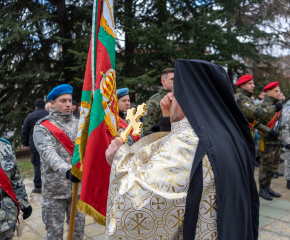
[(134, 124)]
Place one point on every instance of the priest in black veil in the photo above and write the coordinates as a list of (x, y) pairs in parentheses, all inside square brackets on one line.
[(195, 182)]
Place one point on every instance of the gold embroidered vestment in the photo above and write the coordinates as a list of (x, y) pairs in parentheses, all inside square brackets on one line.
[(148, 188)]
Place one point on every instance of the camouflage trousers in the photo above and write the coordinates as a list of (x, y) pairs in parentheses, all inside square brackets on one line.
[(270, 159), (287, 164), (53, 215), (7, 235)]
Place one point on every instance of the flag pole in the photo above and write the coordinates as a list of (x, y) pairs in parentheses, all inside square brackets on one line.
[(73, 211)]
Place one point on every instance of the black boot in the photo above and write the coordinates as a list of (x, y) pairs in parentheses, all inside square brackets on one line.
[(288, 184), (36, 190), (279, 174), (275, 175), (271, 192), (264, 192)]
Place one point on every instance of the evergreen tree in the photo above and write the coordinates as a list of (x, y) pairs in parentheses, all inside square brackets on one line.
[(36, 53), (45, 42), (226, 32)]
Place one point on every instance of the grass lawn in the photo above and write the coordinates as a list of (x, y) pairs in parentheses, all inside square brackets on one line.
[(26, 167)]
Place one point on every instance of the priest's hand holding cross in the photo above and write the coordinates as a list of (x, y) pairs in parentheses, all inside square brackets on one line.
[(134, 125)]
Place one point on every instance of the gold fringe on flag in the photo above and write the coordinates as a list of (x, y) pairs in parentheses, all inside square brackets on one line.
[(89, 210), (83, 142), (84, 136)]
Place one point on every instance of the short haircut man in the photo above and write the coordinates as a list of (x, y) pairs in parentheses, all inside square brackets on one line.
[(153, 110), (54, 135)]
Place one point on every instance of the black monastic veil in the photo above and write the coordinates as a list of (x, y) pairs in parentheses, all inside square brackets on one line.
[(204, 92)]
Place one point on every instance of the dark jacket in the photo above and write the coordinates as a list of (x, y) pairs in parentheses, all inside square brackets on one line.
[(164, 125), (27, 128)]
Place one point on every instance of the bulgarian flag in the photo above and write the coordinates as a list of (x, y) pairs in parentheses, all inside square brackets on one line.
[(80, 144), (100, 124)]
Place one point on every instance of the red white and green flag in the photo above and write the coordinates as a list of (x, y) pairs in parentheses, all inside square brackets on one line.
[(81, 141), (100, 124)]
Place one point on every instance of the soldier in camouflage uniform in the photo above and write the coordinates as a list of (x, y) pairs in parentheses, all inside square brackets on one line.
[(251, 111), (8, 208), (286, 135), (153, 110), (270, 157), (124, 105), (56, 164)]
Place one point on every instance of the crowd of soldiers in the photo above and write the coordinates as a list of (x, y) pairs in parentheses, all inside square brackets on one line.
[(262, 114), (265, 117), (55, 160), (48, 134)]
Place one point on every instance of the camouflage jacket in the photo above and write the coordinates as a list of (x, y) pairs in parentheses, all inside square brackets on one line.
[(55, 161), (251, 111), (266, 103), (8, 208), (153, 110), (286, 130)]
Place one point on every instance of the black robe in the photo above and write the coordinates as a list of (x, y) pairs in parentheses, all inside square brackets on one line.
[(204, 92)]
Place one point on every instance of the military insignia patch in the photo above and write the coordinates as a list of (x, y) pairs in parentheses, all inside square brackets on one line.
[(247, 104)]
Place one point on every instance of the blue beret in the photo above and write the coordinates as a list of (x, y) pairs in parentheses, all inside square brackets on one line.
[(4, 140), (122, 92), (60, 90)]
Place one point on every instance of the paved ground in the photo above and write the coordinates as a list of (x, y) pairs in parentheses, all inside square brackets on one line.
[(274, 216), (34, 228)]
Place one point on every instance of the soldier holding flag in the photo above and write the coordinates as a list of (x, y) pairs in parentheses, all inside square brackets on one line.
[(54, 138)]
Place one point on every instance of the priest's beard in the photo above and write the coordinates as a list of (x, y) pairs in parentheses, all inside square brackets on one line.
[(176, 113)]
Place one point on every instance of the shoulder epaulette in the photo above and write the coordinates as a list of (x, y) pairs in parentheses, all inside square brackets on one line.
[(4, 140), (153, 96), (41, 120)]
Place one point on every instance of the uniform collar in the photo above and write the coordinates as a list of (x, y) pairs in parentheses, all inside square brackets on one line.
[(271, 99), (59, 116), (162, 90), (244, 91)]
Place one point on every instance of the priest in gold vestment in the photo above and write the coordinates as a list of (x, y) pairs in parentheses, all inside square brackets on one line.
[(170, 186)]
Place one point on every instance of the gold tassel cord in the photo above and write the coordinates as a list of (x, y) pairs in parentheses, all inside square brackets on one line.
[(89, 210), (262, 144), (77, 172), (84, 136)]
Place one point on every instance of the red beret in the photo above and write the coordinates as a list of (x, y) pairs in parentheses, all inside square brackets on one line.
[(244, 79), (271, 86)]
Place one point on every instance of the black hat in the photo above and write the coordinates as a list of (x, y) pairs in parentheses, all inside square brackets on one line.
[(39, 103), (204, 92), (74, 102)]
